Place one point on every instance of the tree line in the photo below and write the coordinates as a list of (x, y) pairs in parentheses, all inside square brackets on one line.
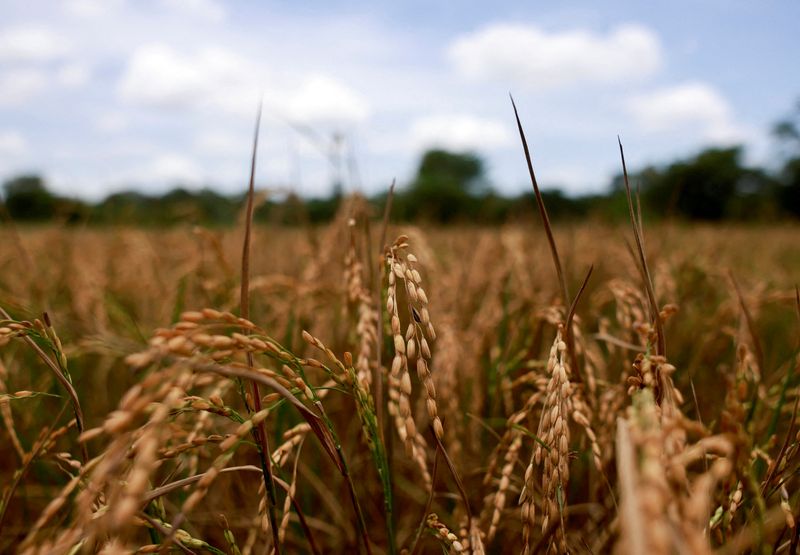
[(451, 187)]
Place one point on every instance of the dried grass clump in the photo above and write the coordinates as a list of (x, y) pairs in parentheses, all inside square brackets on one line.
[(699, 455)]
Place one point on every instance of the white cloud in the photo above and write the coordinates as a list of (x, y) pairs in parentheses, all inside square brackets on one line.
[(111, 122), (323, 99), (458, 132), (91, 8), (223, 144), (159, 76), (73, 75), (31, 44), (690, 105), (209, 10), (214, 78), (170, 168), (12, 144), (530, 57), (18, 86)]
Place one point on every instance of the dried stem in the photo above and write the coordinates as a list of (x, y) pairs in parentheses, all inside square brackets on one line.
[(62, 379), (259, 431), (378, 288), (661, 348), (562, 280)]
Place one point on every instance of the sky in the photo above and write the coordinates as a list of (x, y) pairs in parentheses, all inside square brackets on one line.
[(100, 96)]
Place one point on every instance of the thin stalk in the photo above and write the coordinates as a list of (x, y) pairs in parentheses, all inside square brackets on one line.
[(378, 286), (760, 506), (62, 379), (366, 412), (751, 326), (428, 504), (259, 431), (574, 305), (661, 348), (459, 484), (797, 310), (380, 391), (776, 463), (166, 531), (387, 210), (19, 474), (178, 484), (362, 525), (333, 446), (562, 280)]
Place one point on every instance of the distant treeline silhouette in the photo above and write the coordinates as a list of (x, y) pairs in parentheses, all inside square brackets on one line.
[(451, 187)]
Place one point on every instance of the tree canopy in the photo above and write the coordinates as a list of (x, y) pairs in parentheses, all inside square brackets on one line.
[(787, 132), (444, 187)]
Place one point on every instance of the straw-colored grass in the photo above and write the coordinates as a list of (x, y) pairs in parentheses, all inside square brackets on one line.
[(420, 395)]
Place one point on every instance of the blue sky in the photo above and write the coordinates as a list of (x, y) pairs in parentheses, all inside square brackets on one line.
[(105, 95)]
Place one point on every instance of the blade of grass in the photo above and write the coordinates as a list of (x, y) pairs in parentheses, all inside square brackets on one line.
[(377, 284), (531, 435), (380, 401), (542, 209), (562, 280), (797, 309), (574, 305), (365, 407), (648, 280), (320, 425), (485, 426), (773, 425), (387, 210), (313, 419), (428, 503), (20, 473), (62, 379), (178, 484), (348, 478), (320, 428), (259, 431), (166, 532), (751, 327), (459, 484), (773, 467), (616, 341)]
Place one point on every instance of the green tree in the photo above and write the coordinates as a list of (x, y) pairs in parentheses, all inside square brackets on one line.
[(787, 132), (27, 198), (446, 186), (705, 187), (789, 190)]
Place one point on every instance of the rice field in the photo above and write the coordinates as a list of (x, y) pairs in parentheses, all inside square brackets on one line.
[(371, 388)]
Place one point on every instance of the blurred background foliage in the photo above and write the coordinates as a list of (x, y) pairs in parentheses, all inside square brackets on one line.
[(452, 187)]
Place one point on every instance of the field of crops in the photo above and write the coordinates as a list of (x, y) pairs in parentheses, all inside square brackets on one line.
[(448, 392)]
